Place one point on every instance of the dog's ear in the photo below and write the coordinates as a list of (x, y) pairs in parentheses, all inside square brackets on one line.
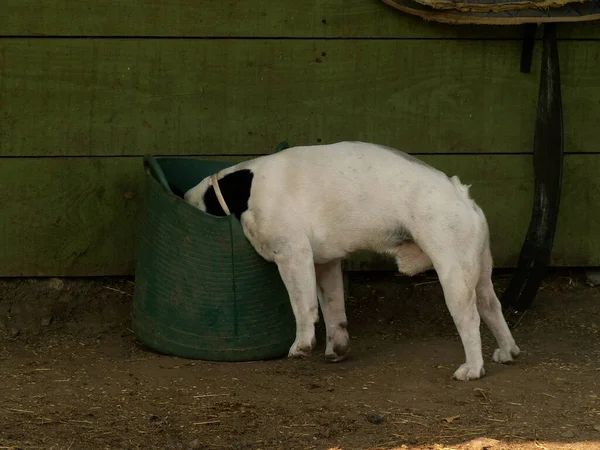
[(235, 188)]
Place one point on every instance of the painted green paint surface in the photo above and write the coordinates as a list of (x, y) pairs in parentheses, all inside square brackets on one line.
[(90, 97), (68, 216), (80, 216), (104, 99), (252, 18)]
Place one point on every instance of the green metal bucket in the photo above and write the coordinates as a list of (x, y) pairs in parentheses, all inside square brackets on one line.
[(201, 290)]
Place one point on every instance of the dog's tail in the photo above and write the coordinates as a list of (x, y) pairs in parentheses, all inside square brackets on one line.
[(463, 189)]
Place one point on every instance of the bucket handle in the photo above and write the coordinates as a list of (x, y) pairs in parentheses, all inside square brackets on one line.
[(152, 166), (282, 146)]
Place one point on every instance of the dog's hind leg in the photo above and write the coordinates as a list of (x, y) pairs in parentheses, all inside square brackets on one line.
[(490, 310), (331, 296), (458, 279)]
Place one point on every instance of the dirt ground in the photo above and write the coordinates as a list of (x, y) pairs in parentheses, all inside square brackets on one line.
[(73, 376)]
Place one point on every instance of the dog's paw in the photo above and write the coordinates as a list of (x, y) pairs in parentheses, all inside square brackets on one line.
[(337, 353), (466, 372), (505, 356), (300, 352), (334, 357), (301, 349), (338, 345)]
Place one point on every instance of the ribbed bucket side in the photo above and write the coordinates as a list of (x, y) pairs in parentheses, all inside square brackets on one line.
[(201, 289)]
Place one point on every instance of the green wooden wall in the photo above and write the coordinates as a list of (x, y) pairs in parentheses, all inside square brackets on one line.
[(88, 87)]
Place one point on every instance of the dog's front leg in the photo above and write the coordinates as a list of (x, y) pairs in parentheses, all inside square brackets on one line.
[(297, 271)]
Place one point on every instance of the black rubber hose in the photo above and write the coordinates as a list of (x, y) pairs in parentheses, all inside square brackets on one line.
[(548, 160)]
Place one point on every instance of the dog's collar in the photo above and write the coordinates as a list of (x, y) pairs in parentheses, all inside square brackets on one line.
[(220, 198)]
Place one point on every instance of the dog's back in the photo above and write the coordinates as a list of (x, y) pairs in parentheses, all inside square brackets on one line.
[(353, 196)]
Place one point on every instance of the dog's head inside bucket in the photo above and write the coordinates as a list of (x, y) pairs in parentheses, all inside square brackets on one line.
[(201, 290)]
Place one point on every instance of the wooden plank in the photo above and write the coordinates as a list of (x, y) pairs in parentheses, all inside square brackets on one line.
[(503, 187), (69, 216), (250, 18), (80, 216), (90, 97)]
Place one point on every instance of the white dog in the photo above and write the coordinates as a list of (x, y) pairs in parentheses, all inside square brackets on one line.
[(306, 208)]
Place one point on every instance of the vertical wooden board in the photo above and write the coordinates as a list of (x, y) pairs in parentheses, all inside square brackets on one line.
[(46, 97), (580, 86), (126, 97), (503, 187), (577, 240), (69, 216), (249, 18), (209, 18), (80, 216), (88, 97)]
